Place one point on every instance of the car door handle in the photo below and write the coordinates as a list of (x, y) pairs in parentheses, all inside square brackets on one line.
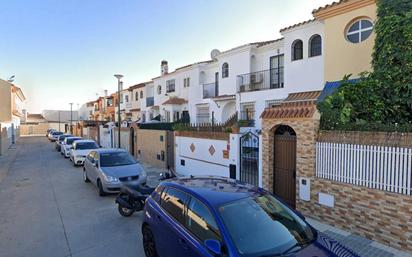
[(183, 243)]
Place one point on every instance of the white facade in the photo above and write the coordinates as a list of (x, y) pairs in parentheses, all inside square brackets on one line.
[(86, 111)]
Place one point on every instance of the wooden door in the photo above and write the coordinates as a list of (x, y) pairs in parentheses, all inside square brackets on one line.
[(285, 168)]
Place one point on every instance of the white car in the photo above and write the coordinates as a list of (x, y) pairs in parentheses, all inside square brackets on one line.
[(80, 149), (67, 145), (54, 135)]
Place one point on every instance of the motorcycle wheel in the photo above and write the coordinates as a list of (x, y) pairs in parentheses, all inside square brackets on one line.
[(125, 212)]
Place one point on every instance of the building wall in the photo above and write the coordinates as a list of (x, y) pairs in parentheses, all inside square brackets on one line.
[(205, 153), (34, 129), (149, 147), (5, 101), (341, 56), (305, 74), (4, 141)]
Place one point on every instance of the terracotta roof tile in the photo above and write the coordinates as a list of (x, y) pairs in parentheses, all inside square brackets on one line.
[(296, 105), (297, 25), (175, 100), (328, 6)]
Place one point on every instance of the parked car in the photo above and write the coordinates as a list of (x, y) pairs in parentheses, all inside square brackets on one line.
[(67, 145), (80, 149), (214, 216), (48, 131), (54, 135), (60, 140), (109, 169)]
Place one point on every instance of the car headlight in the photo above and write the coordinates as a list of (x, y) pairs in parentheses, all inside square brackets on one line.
[(111, 179)]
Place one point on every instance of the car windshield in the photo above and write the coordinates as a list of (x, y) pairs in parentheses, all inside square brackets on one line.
[(116, 159), (86, 145), (57, 133), (69, 141), (263, 226), (62, 137)]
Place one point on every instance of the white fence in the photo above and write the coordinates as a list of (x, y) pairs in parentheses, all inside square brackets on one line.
[(379, 167)]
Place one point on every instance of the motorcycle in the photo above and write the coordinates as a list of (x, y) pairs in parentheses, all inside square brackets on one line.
[(132, 197)]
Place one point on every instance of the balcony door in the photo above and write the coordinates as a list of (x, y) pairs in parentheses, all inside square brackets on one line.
[(276, 71)]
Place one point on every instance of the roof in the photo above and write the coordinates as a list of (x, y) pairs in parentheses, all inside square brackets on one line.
[(296, 105), (339, 7), (297, 25), (214, 190), (175, 100), (257, 44), (35, 117), (332, 87), (183, 67), (140, 85)]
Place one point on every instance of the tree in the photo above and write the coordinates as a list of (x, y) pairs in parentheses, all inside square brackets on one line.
[(382, 99)]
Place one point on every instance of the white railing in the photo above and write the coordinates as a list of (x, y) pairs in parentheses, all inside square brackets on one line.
[(379, 167)]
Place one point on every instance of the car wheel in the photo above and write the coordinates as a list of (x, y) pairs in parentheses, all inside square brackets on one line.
[(149, 243), (85, 178), (100, 187), (125, 212)]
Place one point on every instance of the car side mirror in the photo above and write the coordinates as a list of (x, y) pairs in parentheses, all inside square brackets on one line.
[(214, 246)]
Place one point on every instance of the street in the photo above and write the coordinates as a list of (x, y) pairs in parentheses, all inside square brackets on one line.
[(47, 210)]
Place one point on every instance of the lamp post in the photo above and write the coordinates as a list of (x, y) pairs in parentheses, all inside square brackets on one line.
[(71, 118), (119, 84)]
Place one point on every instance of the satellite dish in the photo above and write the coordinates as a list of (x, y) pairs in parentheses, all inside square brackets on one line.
[(214, 54)]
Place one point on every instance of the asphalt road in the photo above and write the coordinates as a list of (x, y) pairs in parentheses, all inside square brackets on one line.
[(47, 210)]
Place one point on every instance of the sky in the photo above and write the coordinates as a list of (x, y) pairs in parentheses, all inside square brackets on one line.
[(63, 51)]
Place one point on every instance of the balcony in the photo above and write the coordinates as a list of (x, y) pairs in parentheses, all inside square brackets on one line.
[(149, 101), (260, 80), (210, 90), (247, 118)]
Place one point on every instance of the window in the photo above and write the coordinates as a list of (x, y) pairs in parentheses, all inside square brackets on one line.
[(297, 50), (359, 31), (141, 94), (315, 46), (126, 98), (159, 89), (202, 114), (225, 70), (200, 221), (273, 103), (182, 162), (186, 82), (170, 86), (247, 111), (121, 98), (173, 202), (136, 96)]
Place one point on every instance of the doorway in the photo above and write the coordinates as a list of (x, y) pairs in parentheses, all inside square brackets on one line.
[(284, 164)]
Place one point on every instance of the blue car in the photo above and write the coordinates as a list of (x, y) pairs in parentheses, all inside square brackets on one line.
[(214, 216)]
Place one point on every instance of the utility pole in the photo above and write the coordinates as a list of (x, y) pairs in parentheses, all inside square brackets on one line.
[(59, 120), (71, 118), (119, 84)]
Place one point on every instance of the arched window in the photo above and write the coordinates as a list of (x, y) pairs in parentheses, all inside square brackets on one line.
[(141, 94), (359, 31), (297, 50), (137, 96), (315, 46), (225, 70), (159, 89)]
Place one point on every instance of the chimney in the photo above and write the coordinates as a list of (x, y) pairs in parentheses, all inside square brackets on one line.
[(164, 68), (105, 93)]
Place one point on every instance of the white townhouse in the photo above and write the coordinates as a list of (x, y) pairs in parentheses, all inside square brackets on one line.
[(125, 105), (138, 100)]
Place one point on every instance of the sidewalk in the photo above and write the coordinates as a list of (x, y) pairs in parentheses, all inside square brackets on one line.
[(7, 159), (361, 245)]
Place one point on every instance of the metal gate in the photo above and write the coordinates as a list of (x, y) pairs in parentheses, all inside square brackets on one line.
[(284, 185), (249, 158)]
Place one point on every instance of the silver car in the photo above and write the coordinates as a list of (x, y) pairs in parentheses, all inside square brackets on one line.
[(109, 169)]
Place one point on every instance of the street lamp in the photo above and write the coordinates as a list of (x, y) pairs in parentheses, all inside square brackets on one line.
[(71, 118), (119, 84)]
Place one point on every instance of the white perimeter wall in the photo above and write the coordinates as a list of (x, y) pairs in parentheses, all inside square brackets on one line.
[(200, 161)]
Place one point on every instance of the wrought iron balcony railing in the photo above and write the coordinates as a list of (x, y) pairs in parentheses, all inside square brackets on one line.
[(260, 80), (210, 90)]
